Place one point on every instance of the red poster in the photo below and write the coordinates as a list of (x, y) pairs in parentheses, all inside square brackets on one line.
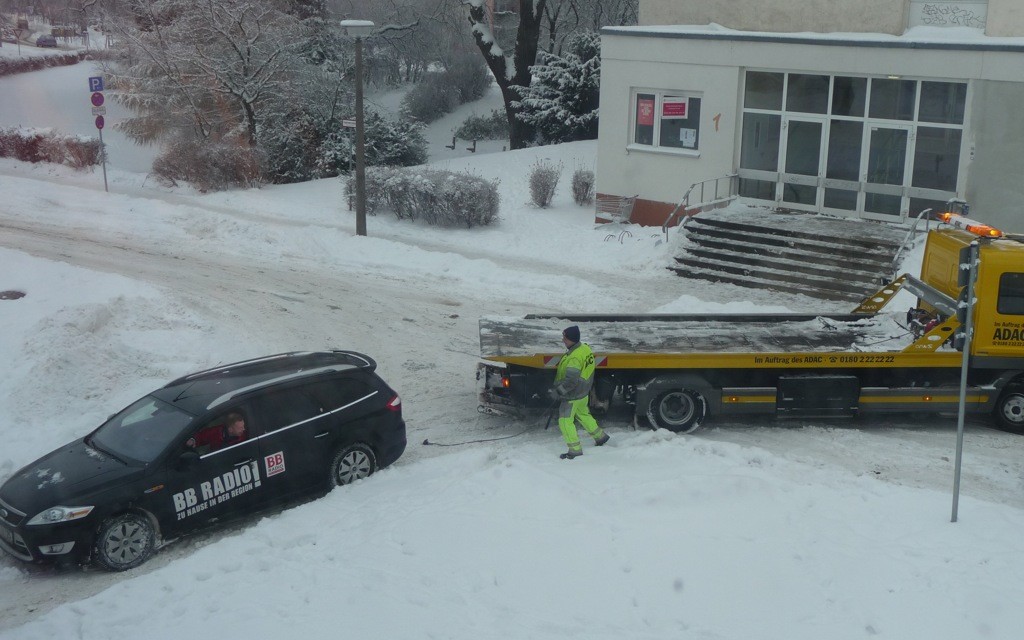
[(645, 112), (672, 107)]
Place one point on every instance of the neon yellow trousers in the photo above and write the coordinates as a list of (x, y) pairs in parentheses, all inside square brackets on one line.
[(568, 413)]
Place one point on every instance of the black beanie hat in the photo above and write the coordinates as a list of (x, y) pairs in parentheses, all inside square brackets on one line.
[(572, 333)]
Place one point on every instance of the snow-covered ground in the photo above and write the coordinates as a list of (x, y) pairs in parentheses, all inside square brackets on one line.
[(746, 529)]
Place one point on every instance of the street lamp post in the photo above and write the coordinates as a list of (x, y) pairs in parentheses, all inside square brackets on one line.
[(358, 29)]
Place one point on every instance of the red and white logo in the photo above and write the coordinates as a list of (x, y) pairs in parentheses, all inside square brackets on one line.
[(274, 463)]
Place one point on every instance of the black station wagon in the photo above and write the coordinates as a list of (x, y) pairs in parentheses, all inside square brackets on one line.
[(207, 447)]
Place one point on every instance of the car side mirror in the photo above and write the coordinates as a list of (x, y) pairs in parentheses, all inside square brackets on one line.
[(187, 460)]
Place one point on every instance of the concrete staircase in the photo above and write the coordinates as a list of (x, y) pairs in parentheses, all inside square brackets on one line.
[(808, 254)]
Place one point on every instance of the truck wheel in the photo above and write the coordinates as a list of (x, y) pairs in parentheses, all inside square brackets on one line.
[(678, 410), (1010, 409), (352, 463), (125, 541)]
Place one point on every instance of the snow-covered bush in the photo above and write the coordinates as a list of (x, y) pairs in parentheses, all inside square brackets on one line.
[(10, 66), (209, 165), (40, 145), (544, 177), (388, 143), (562, 100), (442, 198), (583, 187), (492, 127)]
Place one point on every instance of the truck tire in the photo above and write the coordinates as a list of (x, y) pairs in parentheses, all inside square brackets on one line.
[(678, 410), (1009, 412)]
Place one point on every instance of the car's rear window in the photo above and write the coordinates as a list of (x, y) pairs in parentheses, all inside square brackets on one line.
[(142, 431)]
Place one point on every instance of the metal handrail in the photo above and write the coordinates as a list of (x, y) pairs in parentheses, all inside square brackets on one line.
[(926, 215), (685, 203)]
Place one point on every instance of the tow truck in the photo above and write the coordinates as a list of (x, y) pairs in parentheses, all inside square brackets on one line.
[(679, 370)]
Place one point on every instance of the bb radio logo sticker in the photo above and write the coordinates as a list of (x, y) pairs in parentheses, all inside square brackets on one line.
[(274, 463)]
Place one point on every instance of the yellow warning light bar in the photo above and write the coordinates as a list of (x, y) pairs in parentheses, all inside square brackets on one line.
[(968, 225)]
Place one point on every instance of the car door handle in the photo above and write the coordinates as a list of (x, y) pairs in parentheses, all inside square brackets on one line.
[(322, 434), (243, 463)]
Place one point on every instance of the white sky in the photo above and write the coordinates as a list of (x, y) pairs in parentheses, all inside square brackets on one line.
[(746, 529)]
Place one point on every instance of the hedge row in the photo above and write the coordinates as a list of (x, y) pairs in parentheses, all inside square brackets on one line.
[(443, 198), (40, 145), (10, 66)]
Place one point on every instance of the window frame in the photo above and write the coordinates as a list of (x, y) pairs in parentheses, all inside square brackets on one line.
[(659, 98)]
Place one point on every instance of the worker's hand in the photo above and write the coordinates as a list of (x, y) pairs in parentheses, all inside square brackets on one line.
[(553, 394)]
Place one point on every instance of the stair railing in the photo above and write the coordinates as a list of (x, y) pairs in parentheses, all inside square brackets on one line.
[(731, 190)]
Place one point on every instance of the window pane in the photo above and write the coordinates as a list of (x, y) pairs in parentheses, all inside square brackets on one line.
[(893, 99), (943, 102), (1011, 294), (937, 158), (887, 155), (841, 199), (803, 148), (844, 142), (878, 203), (848, 96), (799, 194), (918, 205), (760, 189), (680, 122), (760, 146), (763, 91), (644, 130), (808, 94)]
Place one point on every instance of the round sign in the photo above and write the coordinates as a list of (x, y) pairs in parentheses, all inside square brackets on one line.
[(97, 99), (99, 122)]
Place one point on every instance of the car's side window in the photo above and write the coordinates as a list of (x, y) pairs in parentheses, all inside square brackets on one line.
[(225, 430), (341, 392), (285, 408)]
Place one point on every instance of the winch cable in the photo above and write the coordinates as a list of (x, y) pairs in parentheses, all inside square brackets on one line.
[(427, 442)]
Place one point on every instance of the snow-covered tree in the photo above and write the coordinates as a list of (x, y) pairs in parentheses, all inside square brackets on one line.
[(562, 101)]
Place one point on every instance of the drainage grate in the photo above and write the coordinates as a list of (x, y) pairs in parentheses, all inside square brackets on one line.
[(11, 295)]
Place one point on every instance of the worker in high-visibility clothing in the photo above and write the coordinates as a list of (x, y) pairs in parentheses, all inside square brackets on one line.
[(573, 379)]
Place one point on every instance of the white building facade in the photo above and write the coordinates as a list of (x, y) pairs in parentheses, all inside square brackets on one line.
[(877, 109)]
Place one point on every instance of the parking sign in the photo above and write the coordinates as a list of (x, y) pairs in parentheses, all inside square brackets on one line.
[(96, 83)]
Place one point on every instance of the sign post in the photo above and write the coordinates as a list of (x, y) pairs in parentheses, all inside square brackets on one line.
[(98, 110)]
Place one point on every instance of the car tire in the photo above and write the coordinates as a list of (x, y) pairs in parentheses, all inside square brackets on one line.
[(352, 463), (125, 541), (1009, 411), (678, 410)]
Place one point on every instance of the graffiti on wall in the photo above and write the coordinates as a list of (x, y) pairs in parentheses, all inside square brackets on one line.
[(949, 14)]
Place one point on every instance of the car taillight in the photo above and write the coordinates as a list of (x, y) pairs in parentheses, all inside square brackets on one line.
[(394, 404)]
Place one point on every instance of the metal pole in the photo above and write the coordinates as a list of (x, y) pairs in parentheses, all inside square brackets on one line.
[(360, 145), (103, 158), (963, 376)]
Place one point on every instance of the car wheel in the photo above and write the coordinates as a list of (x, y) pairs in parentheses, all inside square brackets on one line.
[(125, 541), (1010, 409), (352, 463), (678, 410)]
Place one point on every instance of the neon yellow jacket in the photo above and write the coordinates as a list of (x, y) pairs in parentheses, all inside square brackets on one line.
[(575, 373)]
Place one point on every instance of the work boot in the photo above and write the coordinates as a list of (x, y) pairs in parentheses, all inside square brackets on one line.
[(600, 441), (569, 455)]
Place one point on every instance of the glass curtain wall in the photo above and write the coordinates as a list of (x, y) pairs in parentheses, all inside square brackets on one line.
[(871, 147)]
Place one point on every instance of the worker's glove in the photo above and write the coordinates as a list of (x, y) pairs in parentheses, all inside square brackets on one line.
[(553, 394)]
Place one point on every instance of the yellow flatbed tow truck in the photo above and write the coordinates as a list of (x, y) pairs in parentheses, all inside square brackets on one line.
[(678, 370)]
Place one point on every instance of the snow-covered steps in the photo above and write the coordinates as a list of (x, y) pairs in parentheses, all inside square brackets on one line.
[(808, 254)]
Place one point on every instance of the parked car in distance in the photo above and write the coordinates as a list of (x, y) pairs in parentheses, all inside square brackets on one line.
[(208, 447), (46, 40)]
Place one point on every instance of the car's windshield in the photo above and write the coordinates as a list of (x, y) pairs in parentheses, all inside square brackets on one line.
[(141, 431)]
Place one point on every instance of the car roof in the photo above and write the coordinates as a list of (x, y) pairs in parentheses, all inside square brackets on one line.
[(198, 392)]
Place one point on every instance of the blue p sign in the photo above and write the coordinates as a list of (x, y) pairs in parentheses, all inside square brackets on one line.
[(96, 83)]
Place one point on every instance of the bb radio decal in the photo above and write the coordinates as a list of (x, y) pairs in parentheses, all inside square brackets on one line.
[(222, 488), (274, 463)]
